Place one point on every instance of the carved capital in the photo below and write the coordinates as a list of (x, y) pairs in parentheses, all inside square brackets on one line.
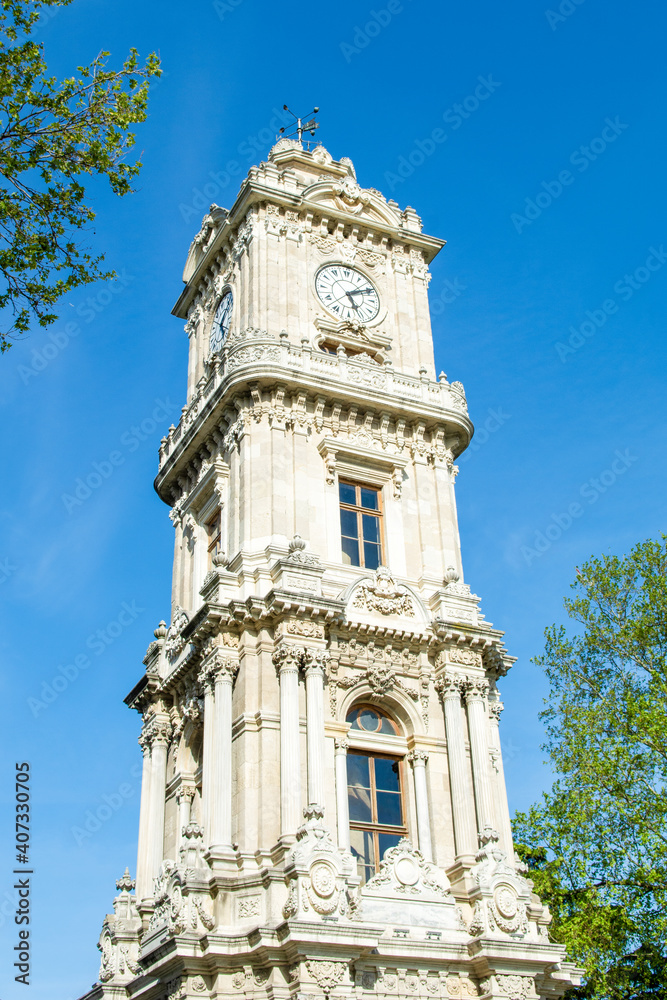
[(161, 734), (186, 793), (418, 758), (145, 742), (287, 659), (475, 689), (448, 686), (495, 708), (314, 661), (341, 745)]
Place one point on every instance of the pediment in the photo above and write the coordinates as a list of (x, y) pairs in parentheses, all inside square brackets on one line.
[(381, 599), (346, 196)]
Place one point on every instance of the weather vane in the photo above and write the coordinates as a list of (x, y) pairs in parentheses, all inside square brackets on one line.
[(301, 125)]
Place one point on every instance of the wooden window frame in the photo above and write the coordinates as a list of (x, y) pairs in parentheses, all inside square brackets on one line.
[(373, 827), (359, 511)]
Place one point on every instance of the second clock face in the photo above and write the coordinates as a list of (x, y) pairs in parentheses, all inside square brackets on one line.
[(221, 321), (347, 293)]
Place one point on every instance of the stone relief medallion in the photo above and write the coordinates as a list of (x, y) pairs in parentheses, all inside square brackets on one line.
[(323, 879), (197, 985), (506, 901), (406, 871)]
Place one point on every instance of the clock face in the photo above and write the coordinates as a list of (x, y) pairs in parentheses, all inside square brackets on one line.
[(347, 293), (221, 321)]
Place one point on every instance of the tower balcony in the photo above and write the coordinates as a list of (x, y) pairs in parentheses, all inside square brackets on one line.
[(392, 403)]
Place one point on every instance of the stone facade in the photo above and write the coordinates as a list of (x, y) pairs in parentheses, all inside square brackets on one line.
[(246, 885)]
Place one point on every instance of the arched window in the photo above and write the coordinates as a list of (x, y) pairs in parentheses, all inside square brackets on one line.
[(375, 792)]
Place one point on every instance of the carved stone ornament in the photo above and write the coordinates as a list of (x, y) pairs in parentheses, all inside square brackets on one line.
[(175, 642), (327, 975), (503, 894), (515, 987), (119, 940), (303, 627), (180, 904), (298, 554), (404, 870), (383, 596), (321, 879)]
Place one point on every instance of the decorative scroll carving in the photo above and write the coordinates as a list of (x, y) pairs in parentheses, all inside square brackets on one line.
[(175, 642), (383, 595), (327, 975)]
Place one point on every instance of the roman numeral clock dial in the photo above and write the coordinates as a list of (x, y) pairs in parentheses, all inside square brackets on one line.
[(347, 293), (221, 322)]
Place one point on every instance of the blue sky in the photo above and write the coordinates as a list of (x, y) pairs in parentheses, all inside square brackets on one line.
[(548, 301)]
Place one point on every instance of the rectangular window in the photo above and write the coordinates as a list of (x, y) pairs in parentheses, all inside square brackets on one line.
[(376, 808), (361, 525), (214, 532)]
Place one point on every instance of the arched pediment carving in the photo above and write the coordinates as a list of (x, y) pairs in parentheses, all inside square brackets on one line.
[(346, 195), (382, 597)]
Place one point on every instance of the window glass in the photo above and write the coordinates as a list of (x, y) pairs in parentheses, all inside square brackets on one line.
[(369, 498), (386, 774), (363, 849), (370, 720), (347, 493), (371, 555), (389, 808), (375, 802), (350, 547), (371, 527), (348, 523), (361, 531)]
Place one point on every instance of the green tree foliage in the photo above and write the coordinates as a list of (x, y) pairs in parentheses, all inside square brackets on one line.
[(52, 133), (596, 845)]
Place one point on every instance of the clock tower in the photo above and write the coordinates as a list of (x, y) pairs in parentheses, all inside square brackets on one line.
[(323, 808)]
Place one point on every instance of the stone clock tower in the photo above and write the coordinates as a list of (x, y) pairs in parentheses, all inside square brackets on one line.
[(323, 808)]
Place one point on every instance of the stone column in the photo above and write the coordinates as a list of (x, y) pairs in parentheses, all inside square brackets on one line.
[(207, 787), (220, 812), (418, 759), (143, 879), (185, 796), (506, 840), (449, 688), (476, 690), (314, 662), (342, 806), (287, 660), (160, 737)]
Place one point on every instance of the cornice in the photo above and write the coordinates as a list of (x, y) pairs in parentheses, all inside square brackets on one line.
[(253, 192), (263, 376)]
